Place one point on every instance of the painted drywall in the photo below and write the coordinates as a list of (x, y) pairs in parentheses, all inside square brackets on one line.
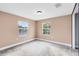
[(9, 29), (60, 29)]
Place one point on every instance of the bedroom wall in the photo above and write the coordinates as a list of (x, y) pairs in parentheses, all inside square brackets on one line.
[(9, 29), (60, 29)]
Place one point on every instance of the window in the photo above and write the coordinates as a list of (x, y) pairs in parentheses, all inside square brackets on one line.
[(46, 28), (23, 27)]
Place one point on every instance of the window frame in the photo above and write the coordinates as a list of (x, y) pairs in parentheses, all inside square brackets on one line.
[(48, 29), (23, 34)]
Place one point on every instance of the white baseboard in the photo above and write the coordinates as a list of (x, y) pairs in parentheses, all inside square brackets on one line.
[(6, 47), (13, 45), (60, 43)]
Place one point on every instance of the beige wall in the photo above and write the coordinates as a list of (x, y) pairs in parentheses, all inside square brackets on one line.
[(9, 29), (60, 29)]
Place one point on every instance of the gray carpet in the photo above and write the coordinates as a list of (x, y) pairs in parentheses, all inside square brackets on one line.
[(39, 48)]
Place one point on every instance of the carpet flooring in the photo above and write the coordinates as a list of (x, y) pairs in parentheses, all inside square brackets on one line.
[(39, 48)]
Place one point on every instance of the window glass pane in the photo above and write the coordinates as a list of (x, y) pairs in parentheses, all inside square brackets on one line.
[(23, 27), (46, 29)]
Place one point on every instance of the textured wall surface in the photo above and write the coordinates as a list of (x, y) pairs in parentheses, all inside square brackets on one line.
[(60, 29), (9, 29)]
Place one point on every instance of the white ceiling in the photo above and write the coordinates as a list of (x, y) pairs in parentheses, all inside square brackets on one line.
[(28, 10)]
